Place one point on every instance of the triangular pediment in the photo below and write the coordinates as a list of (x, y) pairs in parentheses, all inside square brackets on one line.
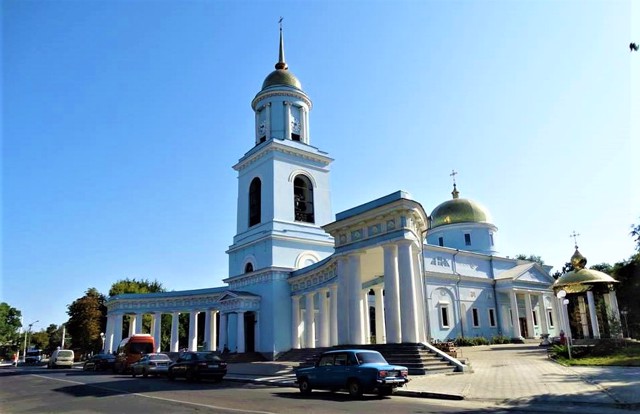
[(528, 273), (234, 294)]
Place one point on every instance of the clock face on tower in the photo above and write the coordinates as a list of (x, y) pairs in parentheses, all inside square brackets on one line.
[(295, 126), (262, 128)]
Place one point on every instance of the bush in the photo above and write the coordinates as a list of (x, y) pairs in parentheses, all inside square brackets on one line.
[(500, 339), (471, 341)]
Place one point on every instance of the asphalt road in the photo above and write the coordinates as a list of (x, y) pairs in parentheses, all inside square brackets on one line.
[(40, 390)]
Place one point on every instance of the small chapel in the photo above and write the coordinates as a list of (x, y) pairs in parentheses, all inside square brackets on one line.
[(384, 272)]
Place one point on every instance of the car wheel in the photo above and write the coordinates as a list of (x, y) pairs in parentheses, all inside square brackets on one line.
[(355, 389), (383, 392), (305, 386)]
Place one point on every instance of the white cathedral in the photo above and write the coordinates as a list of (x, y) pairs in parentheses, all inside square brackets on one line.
[(383, 272)]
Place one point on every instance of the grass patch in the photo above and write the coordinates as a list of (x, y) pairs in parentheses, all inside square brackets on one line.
[(602, 354)]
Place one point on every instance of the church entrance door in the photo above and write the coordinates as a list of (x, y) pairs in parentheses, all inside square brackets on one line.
[(250, 332), (523, 328)]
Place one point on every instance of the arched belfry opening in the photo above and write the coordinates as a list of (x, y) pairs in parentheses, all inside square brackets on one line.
[(255, 201), (303, 199)]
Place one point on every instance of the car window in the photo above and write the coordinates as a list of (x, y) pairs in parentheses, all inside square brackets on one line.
[(326, 360), (209, 357), (370, 357), (160, 357), (352, 360), (341, 359), (65, 354), (141, 348)]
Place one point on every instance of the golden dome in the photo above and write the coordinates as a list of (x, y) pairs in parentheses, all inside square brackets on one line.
[(281, 77), (581, 279), (459, 210)]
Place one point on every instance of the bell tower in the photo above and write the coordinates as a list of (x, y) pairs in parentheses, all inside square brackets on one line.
[(283, 183)]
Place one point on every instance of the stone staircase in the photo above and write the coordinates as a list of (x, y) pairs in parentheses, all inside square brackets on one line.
[(418, 358)]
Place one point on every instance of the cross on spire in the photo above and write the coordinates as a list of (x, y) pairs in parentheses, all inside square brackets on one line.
[(453, 174), (575, 238)]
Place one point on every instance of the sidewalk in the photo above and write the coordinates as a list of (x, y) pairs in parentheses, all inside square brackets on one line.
[(514, 374)]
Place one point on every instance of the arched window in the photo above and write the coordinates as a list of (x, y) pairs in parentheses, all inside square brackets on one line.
[(255, 196), (248, 268), (303, 199)]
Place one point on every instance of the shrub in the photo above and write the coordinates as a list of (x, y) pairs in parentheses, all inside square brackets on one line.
[(500, 339)]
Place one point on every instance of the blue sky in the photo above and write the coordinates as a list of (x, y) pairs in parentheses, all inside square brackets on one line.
[(122, 119)]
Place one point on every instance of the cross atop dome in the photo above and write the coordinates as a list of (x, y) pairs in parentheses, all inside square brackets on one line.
[(575, 238), (455, 193), (281, 62)]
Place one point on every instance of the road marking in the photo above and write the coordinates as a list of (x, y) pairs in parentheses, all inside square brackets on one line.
[(217, 407)]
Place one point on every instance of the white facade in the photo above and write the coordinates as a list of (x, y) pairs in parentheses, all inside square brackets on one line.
[(300, 278)]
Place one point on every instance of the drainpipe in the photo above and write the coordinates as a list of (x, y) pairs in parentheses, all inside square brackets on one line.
[(495, 296), (455, 271)]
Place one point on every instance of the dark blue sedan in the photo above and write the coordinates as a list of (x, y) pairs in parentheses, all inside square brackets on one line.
[(355, 370)]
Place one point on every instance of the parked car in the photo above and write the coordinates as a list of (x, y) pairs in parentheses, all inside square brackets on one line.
[(99, 362), (355, 370), (61, 358), (151, 364), (197, 365)]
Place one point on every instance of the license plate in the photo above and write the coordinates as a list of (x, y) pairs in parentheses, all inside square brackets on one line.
[(213, 366)]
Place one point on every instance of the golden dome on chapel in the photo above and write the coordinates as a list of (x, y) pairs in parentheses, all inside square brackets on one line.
[(281, 76), (581, 279), (459, 210)]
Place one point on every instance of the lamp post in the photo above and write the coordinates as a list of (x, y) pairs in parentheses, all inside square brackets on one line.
[(102, 337), (626, 327), (26, 337), (561, 295)]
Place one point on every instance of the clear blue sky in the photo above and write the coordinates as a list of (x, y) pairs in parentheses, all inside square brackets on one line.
[(122, 119)]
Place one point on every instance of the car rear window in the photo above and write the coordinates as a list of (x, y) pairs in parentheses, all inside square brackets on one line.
[(370, 357), (159, 357), (65, 354), (209, 357)]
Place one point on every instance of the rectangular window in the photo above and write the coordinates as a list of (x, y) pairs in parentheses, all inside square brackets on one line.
[(476, 317), (440, 241), (491, 238), (535, 318), (295, 137), (550, 314), (510, 317), (444, 316), (492, 317), (467, 239)]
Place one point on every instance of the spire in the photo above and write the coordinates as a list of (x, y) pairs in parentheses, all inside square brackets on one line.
[(281, 62), (455, 193)]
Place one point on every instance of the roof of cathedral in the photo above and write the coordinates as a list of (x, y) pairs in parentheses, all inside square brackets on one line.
[(459, 210), (581, 279), (281, 76)]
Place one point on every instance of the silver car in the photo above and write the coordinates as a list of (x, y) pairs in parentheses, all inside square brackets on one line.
[(151, 364), (61, 358)]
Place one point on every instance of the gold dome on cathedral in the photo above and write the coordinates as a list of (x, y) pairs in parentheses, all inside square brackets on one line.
[(459, 210), (281, 76)]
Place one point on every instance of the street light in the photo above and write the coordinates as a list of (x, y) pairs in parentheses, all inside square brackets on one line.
[(26, 335), (561, 295), (102, 337)]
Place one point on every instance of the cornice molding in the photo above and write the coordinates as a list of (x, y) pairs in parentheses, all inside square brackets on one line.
[(276, 147)]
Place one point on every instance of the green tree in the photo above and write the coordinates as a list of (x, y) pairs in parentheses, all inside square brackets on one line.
[(635, 232), (627, 273), (603, 267), (9, 324), (39, 340), (87, 318), (530, 258), (55, 338)]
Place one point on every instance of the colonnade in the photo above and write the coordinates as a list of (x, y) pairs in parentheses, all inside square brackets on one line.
[(540, 308), (338, 313), (212, 335)]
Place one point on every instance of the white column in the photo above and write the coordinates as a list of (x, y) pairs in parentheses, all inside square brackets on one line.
[(156, 328), (323, 332), (268, 118), (108, 335), (309, 331), (408, 308), (355, 299), (515, 318), (240, 336), (295, 322), (287, 120), (210, 334), (133, 321), (595, 326), (139, 318), (333, 323), (223, 332), (421, 303), (303, 125), (343, 300), (529, 315), (193, 331), (380, 337), (117, 331), (542, 314), (392, 294), (175, 323), (366, 325)]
